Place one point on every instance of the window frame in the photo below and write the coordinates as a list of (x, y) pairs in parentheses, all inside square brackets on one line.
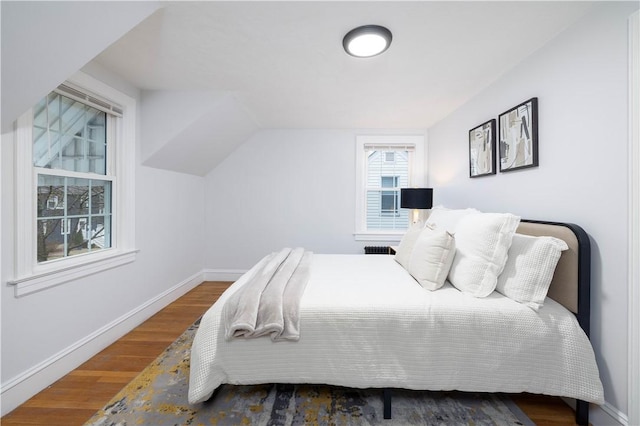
[(416, 179), (30, 276)]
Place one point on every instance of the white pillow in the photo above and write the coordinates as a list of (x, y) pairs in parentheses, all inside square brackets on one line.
[(444, 218), (403, 252), (482, 244), (431, 258), (529, 270)]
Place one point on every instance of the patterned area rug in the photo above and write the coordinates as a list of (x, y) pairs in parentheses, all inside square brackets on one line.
[(158, 397)]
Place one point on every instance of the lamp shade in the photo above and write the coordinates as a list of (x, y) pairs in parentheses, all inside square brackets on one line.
[(416, 198)]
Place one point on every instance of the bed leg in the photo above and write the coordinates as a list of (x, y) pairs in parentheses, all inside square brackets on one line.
[(582, 412), (386, 400)]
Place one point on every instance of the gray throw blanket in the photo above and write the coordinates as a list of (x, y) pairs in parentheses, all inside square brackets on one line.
[(269, 302)]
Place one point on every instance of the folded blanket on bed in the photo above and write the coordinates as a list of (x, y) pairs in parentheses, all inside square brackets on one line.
[(269, 303)]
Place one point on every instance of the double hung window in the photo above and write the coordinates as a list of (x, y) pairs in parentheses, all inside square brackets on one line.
[(385, 164), (75, 210), (74, 177)]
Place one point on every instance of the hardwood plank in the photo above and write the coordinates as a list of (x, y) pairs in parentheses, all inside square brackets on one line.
[(73, 399), (545, 410), (52, 416)]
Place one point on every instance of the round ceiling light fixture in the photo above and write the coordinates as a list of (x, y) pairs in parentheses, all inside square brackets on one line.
[(367, 41)]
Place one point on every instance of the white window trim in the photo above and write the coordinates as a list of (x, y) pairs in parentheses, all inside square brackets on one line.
[(30, 276), (416, 177), (634, 220)]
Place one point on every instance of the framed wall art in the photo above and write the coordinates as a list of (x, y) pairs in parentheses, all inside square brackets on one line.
[(482, 149), (518, 136)]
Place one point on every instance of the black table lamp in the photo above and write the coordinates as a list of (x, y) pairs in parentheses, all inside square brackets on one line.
[(416, 199)]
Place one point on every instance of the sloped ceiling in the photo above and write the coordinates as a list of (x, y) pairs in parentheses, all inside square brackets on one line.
[(214, 72), (44, 43), (191, 132), (285, 62)]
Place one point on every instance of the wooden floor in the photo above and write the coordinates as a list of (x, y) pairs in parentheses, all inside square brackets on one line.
[(73, 399)]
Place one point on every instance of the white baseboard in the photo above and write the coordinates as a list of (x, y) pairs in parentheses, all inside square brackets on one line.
[(223, 274), (601, 415), (607, 415), (22, 387)]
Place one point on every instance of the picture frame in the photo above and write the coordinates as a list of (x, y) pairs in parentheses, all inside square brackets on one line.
[(482, 149), (518, 136)]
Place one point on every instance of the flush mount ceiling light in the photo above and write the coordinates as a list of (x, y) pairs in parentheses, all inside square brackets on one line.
[(367, 41)]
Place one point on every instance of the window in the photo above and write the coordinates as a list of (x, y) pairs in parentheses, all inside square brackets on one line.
[(75, 158), (70, 141), (385, 164)]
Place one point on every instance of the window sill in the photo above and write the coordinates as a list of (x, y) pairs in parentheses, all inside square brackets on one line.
[(379, 236), (40, 281)]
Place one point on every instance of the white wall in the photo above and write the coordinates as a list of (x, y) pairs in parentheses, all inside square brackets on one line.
[(283, 188), (37, 328), (581, 81)]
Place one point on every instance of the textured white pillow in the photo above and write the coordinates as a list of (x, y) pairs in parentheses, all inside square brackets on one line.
[(529, 270), (444, 218), (403, 252), (482, 244), (431, 258)]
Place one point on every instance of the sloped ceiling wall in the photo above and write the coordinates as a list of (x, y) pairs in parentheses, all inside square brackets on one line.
[(192, 131), (206, 69), (43, 43)]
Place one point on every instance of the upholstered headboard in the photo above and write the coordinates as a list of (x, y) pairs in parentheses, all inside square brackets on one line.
[(571, 282)]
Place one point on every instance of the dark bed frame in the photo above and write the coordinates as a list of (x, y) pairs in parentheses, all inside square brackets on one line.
[(583, 313)]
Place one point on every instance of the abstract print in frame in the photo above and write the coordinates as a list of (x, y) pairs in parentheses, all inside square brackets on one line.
[(519, 136), (482, 149)]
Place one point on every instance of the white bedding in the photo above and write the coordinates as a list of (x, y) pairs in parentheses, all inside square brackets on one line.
[(365, 322)]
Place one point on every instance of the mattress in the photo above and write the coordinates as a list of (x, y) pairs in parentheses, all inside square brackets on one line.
[(365, 322)]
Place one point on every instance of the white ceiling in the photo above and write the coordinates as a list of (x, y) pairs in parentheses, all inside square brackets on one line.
[(283, 62)]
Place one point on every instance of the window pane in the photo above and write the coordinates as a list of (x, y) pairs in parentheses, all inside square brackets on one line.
[(51, 239), (50, 196), (77, 196), (82, 211), (96, 125), (70, 119), (73, 155), (100, 197), (77, 236), (100, 232), (389, 202), (96, 156), (69, 135)]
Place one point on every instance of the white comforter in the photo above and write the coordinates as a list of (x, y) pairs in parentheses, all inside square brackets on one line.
[(365, 322)]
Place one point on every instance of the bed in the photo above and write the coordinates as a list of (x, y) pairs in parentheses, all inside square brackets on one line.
[(366, 323)]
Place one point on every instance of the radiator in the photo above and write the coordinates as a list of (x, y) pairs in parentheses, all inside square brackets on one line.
[(378, 250)]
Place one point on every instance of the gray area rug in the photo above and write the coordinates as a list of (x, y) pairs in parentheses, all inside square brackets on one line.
[(158, 397)]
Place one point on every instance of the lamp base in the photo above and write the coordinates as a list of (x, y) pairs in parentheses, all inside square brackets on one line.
[(415, 216), (419, 215)]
